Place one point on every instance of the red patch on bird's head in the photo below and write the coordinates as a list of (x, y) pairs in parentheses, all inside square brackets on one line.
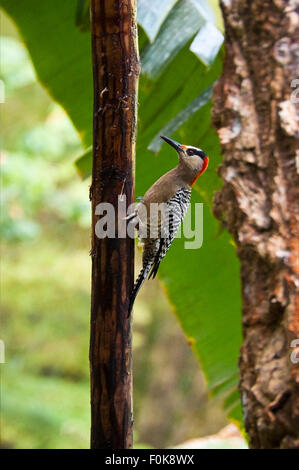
[(204, 167)]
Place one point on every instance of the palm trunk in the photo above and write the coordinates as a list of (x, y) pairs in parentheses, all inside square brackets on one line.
[(115, 69), (256, 116)]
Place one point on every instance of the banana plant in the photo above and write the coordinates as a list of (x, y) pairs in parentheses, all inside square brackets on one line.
[(180, 44)]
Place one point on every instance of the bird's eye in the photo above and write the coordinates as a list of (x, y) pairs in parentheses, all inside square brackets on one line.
[(190, 152)]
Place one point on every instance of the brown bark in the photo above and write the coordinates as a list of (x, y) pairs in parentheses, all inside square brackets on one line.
[(256, 121), (115, 69)]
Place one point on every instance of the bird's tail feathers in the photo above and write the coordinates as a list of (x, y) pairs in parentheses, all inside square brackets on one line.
[(140, 280)]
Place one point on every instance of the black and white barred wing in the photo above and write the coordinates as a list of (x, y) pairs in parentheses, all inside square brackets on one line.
[(175, 212), (159, 230)]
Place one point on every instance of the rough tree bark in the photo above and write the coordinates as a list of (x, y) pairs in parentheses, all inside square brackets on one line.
[(255, 116), (115, 69)]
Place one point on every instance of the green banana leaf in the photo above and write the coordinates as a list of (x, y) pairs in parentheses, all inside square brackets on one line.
[(203, 285)]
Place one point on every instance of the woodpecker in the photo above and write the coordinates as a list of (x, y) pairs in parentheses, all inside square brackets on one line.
[(172, 192)]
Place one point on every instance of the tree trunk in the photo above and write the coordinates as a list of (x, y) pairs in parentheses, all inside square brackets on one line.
[(115, 69), (255, 113)]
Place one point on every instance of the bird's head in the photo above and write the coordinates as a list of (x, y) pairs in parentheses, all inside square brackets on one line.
[(192, 158)]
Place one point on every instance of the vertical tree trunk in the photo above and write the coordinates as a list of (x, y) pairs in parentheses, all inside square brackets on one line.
[(115, 69), (255, 113)]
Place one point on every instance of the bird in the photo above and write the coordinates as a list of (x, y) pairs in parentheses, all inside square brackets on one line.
[(172, 192)]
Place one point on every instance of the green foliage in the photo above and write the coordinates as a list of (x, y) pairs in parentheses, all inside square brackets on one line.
[(45, 297), (203, 286)]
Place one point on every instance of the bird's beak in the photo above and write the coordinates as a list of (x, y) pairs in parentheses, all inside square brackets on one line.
[(173, 143)]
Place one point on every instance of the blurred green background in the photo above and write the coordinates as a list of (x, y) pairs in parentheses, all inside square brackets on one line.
[(45, 291)]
